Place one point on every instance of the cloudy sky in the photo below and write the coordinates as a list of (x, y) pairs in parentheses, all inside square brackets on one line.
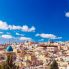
[(34, 20)]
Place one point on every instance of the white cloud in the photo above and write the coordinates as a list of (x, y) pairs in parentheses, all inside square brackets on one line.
[(50, 36), (59, 37), (32, 29), (19, 34), (8, 33), (7, 36), (41, 40), (25, 38), (67, 14), (25, 28), (1, 32), (3, 25), (13, 27)]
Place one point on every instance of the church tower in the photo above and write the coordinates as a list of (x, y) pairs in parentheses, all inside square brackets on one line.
[(9, 57)]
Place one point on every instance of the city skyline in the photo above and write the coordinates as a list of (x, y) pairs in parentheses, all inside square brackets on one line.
[(34, 20)]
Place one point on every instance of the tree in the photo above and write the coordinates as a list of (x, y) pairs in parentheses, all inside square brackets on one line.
[(54, 65), (9, 64)]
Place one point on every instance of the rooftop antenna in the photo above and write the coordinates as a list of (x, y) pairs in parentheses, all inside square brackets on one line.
[(9, 41), (49, 40)]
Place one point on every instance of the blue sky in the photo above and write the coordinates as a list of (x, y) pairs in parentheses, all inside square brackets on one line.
[(37, 20)]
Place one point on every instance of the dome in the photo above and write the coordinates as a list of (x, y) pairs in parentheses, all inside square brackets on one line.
[(9, 49)]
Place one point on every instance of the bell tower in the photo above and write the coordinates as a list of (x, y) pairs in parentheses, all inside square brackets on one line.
[(9, 57)]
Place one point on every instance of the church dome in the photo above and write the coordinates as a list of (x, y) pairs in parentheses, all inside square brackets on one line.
[(9, 49)]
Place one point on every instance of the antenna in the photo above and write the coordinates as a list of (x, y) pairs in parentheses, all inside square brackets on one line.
[(49, 40)]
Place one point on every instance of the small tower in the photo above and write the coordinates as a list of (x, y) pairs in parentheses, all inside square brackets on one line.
[(10, 54), (9, 51), (9, 64)]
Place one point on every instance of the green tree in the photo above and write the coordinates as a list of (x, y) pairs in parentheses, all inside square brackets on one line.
[(9, 64), (54, 65)]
